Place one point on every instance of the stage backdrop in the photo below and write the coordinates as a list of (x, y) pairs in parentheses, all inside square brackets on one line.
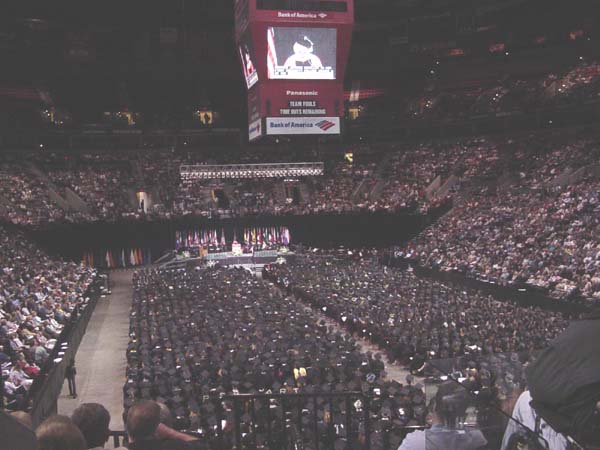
[(155, 238)]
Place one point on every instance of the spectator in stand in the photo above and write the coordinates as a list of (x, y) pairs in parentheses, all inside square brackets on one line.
[(27, 199), (38, 296), (542, 238)]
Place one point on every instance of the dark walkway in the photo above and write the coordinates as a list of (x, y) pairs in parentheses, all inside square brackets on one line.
[(101, 360)]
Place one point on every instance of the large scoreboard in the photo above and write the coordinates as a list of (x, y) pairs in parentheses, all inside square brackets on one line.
[(293, 54)]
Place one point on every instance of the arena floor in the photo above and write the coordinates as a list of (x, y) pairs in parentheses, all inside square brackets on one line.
[(101, 360)]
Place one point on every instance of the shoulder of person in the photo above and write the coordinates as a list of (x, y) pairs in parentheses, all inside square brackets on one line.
[(414, 441)]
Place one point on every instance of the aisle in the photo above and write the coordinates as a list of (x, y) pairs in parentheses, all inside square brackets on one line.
[(394, 371), (100, 360)]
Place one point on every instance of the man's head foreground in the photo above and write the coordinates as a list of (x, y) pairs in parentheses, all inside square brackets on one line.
[(143, 418), (93, 420), (59, 433)]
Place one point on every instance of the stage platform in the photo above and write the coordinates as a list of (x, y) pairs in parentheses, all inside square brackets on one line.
[(251, 261)]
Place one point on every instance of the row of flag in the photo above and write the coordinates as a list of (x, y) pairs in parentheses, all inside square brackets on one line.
[(199, 238), (256, 236), (267, 235), (118, 258)]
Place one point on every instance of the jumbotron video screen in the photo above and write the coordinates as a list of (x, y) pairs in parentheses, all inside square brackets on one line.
[(294, 56), (296, 53)]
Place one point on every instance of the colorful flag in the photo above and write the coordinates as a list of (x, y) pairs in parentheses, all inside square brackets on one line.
[(285, 237)]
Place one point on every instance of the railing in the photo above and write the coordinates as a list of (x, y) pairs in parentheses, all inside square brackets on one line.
[(267, 170), (47, 386), (293, 421), (119, 438)]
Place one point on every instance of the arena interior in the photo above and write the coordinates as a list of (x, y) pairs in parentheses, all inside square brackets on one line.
[(300, 225)]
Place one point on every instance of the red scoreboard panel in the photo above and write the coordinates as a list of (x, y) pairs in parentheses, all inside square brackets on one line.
[(293, 54)]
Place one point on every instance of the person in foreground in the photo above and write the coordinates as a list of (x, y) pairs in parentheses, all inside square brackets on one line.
[(93, 420), (524, 414), (146, 432), (443, 435), (59, 433)]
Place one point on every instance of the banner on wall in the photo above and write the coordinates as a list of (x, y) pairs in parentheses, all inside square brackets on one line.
[(303, 125), (255, 130)]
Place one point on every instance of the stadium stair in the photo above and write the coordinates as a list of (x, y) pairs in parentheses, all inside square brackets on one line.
[(561, 179), (572, 176), (304, 193), (75, 201), (280, 192), (51, 188), (4, 202), (380, 177), (359, 191), (505, 181), (445, 188), (433, 187)]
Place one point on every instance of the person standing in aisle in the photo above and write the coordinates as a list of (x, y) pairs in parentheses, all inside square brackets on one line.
[(70, 374)]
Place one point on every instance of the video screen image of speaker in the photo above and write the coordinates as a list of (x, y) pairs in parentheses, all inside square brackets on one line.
[(300, 53)]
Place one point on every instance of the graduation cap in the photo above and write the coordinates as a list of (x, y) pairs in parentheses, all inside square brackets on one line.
[(353, 385), (338, 419), (420, 412), (179, 413), (194, 406), (208, 407), (393, 390), (212, 421), (146, 393)]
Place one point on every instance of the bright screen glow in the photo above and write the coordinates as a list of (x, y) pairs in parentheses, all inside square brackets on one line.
[(301, 53)]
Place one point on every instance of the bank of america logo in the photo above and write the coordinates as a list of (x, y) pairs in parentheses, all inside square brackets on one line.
[(325, 125)]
